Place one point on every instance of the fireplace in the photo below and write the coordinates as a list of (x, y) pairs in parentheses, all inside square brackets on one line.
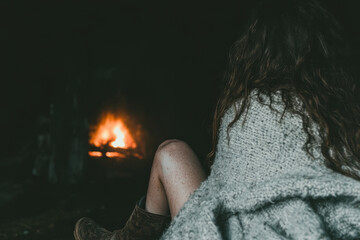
[(112, 138)]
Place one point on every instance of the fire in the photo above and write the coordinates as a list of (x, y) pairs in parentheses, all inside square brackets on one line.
[(112, 130)]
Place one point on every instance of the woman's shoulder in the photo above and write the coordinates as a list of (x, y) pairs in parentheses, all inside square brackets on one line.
[(266, 108), (273, 100), (268, 120)]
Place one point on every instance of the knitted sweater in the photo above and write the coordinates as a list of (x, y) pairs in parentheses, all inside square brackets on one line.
[(264, 185)]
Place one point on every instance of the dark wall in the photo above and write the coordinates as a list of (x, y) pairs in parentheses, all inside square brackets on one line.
[(160, 62)]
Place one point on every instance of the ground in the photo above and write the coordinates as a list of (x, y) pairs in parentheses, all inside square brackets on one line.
[(30, 208)]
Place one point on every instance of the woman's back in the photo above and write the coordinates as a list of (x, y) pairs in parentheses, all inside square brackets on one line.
[(267, 145)]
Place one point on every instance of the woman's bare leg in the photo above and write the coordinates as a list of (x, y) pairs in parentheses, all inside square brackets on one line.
[(176, 172)]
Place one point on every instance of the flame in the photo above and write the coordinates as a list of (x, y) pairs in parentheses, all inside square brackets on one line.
[(112, 131)]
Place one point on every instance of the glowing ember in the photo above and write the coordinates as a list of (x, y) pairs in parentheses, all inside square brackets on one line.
[(112, 131), (95, 154), (115, 155)]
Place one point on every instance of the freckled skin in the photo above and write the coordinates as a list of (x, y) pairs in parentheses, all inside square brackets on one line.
[(176, 172)]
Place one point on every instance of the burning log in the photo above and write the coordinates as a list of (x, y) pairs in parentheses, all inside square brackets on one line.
[(111, 152)]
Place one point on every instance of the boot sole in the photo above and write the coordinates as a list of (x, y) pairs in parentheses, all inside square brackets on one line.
[(76, 233)]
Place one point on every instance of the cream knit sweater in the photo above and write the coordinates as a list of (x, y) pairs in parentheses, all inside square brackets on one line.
[(263, 185)]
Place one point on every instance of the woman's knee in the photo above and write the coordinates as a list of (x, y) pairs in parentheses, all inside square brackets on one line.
[(173, 152), (172, 145)]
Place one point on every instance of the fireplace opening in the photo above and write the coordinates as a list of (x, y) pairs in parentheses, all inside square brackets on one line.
[(112, 138)]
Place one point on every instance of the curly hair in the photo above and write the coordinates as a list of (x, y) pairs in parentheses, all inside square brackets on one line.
[(297, 47)]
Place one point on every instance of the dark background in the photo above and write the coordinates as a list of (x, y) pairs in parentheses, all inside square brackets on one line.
[(160, 62), (164, 59)]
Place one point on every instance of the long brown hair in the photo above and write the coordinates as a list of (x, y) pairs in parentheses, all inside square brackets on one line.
[(297, 47)]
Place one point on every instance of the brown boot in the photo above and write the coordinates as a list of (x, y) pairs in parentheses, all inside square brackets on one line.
[(141, 225)]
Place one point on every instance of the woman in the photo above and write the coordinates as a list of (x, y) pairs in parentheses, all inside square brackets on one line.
[(286, 143)]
